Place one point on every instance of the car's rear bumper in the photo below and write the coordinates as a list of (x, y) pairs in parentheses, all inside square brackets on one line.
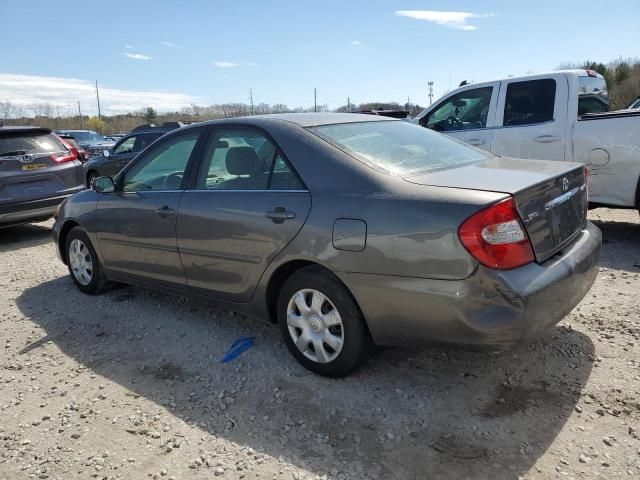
[(31, 210), (494, 308)]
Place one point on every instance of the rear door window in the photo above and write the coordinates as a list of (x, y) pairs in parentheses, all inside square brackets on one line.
[(530, 102), (244, 159)]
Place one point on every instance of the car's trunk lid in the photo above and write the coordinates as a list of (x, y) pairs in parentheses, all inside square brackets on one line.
[(551, 197)]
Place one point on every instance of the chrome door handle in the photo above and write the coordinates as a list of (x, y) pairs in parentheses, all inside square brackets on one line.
[(546, 139), (165, 211), (475, 142), (280, 214)]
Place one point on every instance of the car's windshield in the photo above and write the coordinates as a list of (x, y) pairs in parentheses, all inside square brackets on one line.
[(87, 136), (398, 148)]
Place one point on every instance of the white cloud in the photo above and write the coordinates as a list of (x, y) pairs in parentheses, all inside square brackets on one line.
[(137, 56), (226, 64), (457, 20), (26, 90), (169, 44), (357, 43)]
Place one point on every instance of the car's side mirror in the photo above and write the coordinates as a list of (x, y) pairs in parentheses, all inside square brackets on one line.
[(106, 153), (104, 185)]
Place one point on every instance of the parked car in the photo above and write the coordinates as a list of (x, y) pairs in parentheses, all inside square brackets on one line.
[(37, 172), (70, 142), (345, 229), (112, 160), (556, 116), (91, 141)]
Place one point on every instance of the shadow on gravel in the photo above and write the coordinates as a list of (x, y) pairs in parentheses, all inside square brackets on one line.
[(24, 236), (621, 245), (409, 413)]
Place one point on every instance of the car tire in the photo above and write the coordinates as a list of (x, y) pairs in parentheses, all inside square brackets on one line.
[(91, 176), (83, 263), (321, 323)]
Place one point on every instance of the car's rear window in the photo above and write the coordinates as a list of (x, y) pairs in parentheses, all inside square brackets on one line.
[(398, 148), (23, 143)]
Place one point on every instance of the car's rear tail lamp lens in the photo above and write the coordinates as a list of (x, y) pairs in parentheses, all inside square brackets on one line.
[(69, 156), (496, 237)]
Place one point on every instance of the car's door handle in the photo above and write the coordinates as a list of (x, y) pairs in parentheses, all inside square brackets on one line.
[(165, 211), (475, 142), (546, 139), (280, 214)]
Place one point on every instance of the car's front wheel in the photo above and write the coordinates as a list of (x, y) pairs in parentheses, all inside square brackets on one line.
[(321, 323), (84, 265), (91, 177)]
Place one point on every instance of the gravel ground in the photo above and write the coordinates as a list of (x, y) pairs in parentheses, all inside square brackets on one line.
[(129, 385)]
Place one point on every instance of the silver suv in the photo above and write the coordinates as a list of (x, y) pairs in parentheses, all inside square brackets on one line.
[(37, 171)]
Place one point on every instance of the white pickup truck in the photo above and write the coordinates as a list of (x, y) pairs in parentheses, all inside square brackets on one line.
[(557, 116)]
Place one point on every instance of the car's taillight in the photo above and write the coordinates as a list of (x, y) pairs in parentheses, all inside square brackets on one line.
[(496, 237), (69, 156)]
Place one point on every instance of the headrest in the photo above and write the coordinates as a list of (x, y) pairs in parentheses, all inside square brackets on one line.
[(242, 161)]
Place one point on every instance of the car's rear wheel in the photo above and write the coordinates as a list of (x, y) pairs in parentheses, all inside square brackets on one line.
[(84, 265), (321, 323)]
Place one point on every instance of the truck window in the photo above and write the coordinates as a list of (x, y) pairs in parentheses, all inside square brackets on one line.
[(593, 96), (465, 110), (529, 102)]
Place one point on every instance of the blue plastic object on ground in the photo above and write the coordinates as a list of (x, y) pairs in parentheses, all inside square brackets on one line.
[(238, 347)]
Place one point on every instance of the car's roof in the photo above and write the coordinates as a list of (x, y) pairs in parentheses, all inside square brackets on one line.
[(26, 128), (301, 119)]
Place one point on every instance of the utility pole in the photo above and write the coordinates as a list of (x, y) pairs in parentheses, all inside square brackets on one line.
[(80, 114), (98, 98), (348, 104), (315, 100), (430, 92), (251, 99)]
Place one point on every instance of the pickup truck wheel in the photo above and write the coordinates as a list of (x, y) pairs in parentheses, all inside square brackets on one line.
[(84, 265), (321, 323)]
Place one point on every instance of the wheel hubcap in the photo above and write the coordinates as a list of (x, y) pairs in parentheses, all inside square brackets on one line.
[(315, 325), (80, 262)]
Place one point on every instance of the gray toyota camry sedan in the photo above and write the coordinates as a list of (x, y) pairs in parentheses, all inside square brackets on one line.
[(345, 229)]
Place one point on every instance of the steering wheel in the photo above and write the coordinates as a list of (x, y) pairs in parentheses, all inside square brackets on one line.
[(453, 122), (169, 180)]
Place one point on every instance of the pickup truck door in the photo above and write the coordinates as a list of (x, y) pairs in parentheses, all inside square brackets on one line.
[(531, 118), (466, 115)]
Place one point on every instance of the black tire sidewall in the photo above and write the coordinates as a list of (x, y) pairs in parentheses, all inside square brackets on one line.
[(356, 337), (98, 280)]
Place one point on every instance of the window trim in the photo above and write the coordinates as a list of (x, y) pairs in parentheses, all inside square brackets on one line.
[(213, 130), (119, 179)]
